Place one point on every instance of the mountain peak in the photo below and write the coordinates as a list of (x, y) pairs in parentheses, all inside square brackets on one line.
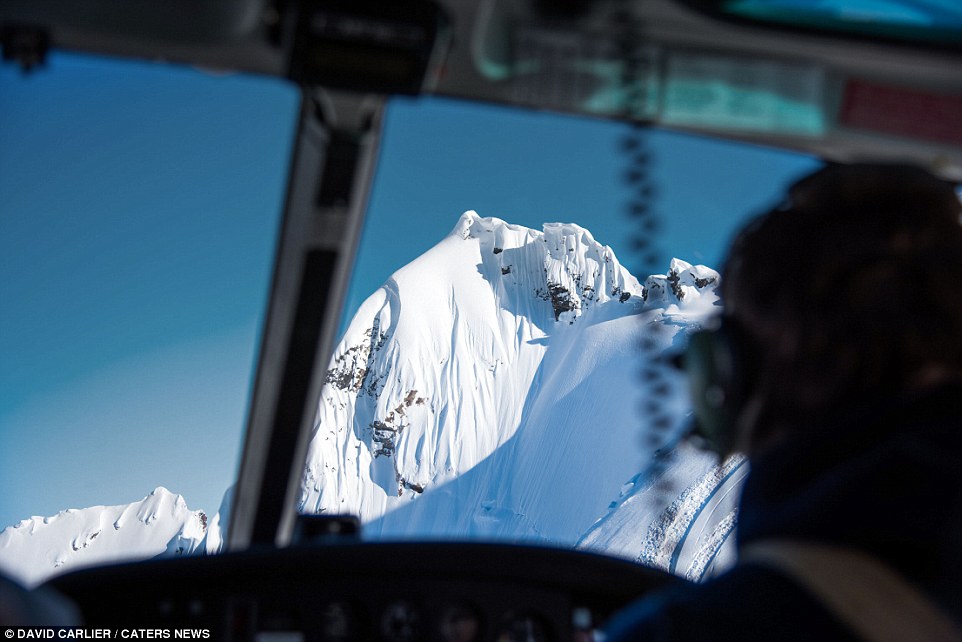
[(687, 287), (159, 524), (472, 225), (562, 264)]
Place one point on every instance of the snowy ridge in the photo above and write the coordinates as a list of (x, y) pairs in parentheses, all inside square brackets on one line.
[(161, 524)]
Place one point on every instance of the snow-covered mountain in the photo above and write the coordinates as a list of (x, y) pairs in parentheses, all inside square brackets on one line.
[(506, 384), (160, 524), (434, 372), (493, 388)]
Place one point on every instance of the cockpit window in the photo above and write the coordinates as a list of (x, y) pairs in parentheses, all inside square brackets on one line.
[(519, 273), (140, 205)]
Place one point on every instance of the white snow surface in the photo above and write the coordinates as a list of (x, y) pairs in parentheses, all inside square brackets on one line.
[(507, 384), (160, 524), (492, 389)]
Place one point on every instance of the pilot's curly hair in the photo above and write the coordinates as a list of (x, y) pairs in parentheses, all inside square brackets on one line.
[(851, 290)]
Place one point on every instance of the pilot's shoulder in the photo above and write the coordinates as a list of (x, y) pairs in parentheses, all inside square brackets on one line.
[(746, 603)]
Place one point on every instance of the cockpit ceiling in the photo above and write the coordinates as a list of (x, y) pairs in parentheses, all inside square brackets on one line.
[(656, 62)]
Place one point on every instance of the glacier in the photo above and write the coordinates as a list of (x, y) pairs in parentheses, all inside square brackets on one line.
[(508, 384)]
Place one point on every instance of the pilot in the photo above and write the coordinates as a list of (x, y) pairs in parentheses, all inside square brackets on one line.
[(836, 367)]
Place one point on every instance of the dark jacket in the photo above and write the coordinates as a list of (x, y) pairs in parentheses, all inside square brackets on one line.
[(884, 478)]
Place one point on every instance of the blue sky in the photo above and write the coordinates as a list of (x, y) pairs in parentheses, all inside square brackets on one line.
[(138, 216), (137, 227)]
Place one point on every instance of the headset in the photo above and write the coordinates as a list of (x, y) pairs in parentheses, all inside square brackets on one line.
[(719, 364)]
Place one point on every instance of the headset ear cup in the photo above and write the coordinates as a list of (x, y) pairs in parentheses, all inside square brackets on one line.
[(713, 364)]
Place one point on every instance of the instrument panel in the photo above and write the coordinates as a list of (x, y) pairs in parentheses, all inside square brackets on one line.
[(401, 592)]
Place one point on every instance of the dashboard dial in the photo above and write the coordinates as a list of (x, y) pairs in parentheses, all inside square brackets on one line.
[(401, 623), (523, 627)]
